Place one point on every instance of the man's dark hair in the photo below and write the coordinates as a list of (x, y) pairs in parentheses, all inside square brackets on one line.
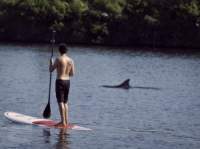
[(63, 48)]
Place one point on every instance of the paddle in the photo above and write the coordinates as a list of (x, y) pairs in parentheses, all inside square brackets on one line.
[(47, 111)]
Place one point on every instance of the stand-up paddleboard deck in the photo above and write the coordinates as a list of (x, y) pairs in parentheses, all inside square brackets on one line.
[(25, 119)]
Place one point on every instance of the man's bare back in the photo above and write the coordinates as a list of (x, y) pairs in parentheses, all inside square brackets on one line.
[(64, 66)]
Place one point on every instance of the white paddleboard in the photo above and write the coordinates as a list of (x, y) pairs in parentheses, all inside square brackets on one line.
[(25, 119)]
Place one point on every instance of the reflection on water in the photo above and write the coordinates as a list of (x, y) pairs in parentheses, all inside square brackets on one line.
[(61, 139), (47, 135), (62, 142)]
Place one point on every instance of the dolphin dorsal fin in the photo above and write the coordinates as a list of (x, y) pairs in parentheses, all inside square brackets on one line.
[(125, 84)]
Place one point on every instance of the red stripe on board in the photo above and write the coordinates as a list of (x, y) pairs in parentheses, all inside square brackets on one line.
[(46, 123), (51, 123)]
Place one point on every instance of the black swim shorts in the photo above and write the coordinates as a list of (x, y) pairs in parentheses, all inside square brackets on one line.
[(62, 90)]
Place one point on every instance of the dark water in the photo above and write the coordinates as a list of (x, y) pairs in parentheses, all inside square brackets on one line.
[(161, 112)]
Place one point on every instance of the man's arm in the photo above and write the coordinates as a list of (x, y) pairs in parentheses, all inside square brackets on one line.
[(72, 71), (53, 65)]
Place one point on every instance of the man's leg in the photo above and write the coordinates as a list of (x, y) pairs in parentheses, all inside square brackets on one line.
[(66, 113), (62, 113)]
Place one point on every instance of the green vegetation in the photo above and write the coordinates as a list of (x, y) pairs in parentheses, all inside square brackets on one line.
[(108, 22)]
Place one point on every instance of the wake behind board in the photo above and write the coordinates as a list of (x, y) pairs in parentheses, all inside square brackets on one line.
[(25, 119)]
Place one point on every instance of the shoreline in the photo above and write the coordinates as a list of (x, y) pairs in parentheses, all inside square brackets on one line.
[(169, 49)]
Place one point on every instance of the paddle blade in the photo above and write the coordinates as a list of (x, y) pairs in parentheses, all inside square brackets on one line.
[(47, 111)]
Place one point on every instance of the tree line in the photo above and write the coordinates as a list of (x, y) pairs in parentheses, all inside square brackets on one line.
[(166, 23)]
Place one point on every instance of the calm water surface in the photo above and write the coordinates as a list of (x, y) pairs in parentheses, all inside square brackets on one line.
[(161, 111)]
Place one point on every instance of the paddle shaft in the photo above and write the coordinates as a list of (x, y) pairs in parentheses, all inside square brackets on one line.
[(47, 111), (50, 78)]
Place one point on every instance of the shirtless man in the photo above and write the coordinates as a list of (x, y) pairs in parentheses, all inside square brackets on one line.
[(65, 69)]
